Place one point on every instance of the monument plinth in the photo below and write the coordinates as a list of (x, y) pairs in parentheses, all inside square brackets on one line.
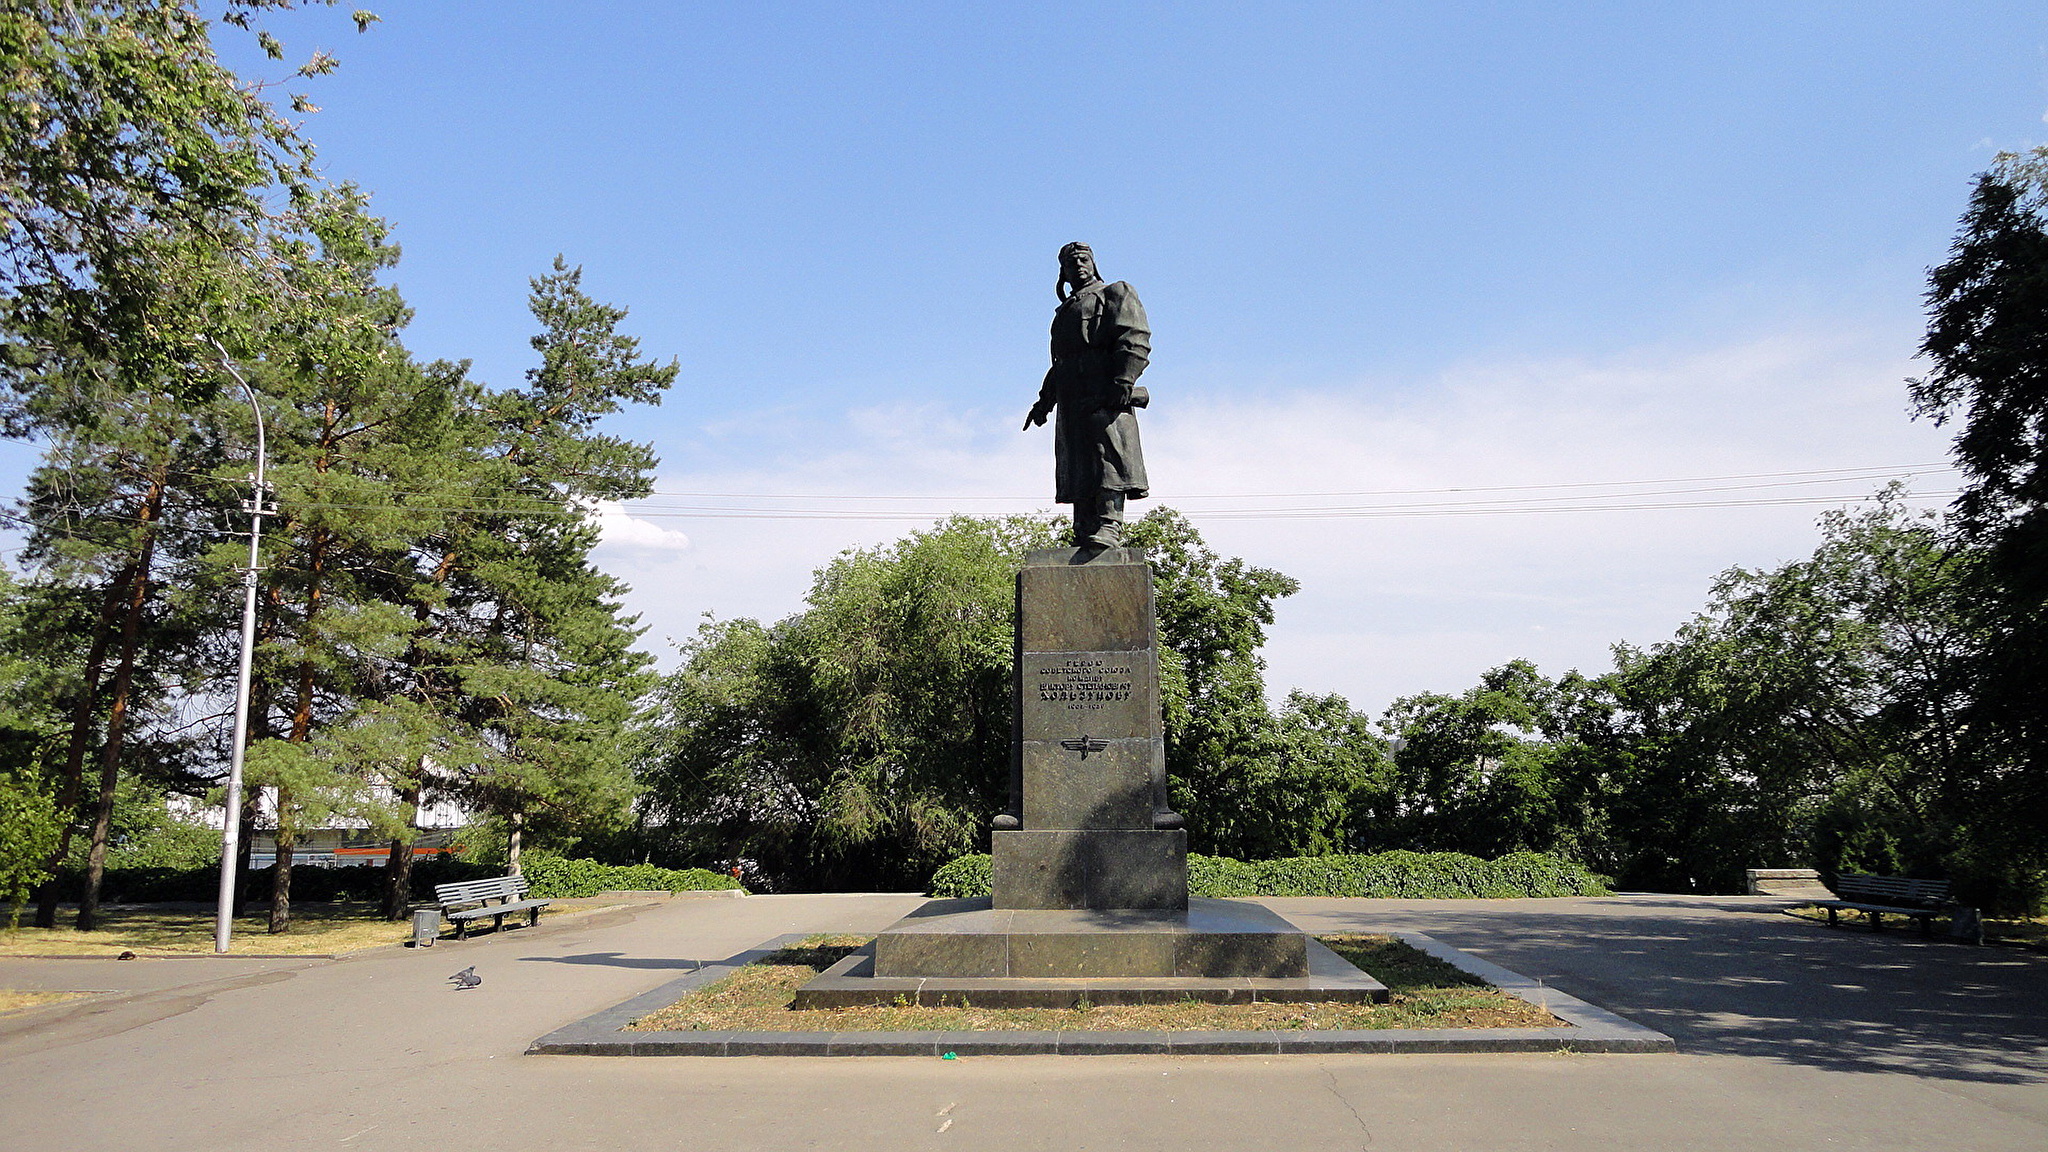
[(1090, 883), (1088, 777)]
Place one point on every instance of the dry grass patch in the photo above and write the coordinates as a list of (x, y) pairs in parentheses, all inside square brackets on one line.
[(148, 931), (2029, 932), (1426, 993), (319, 929), (15, 1000)]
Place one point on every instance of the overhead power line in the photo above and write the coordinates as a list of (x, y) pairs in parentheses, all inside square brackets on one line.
[(1773, 489), (1823, 475)]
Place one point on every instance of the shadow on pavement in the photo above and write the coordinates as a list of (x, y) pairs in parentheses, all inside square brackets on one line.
[(621, 960), (1744, 980)]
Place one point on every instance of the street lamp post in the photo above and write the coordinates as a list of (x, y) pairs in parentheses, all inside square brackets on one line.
[(223, 917)]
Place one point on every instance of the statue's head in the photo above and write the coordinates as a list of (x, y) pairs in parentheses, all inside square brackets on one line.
[(1077, 268)]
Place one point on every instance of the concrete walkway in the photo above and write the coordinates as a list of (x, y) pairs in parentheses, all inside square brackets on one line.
[(1792, 1037)]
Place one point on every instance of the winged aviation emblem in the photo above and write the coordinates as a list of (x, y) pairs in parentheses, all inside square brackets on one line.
[(1084, 744)]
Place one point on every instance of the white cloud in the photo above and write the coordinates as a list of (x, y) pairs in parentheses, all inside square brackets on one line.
[(623, 532), (1389, 605)]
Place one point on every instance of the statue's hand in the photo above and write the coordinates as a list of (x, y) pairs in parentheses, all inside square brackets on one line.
[(1036, 417)]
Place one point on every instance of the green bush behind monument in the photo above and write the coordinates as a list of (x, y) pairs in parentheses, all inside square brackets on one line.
[(1409, 875), (560, 877)]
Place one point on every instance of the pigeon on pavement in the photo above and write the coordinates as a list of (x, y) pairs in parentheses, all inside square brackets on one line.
[(467, 978)]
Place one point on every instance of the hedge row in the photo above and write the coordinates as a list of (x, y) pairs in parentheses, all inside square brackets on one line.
[(1410, 875), (558, 878), (360, 882), (552, 877)]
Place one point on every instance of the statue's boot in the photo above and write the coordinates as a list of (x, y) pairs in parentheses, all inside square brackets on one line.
[(1099, 523)]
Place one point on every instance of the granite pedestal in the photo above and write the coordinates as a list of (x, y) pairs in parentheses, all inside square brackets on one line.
[(1090, 880), (967, 952), (1092, 828)]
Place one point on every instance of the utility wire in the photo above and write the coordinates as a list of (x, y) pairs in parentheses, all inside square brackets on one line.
[(536, 504), (1839, 473), (1812, 475), (1560, 498)]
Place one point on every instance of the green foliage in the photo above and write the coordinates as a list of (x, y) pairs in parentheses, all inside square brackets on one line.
[(1985, 341), (1827, 684), (1488, 771), (1987, 344), (29, 826), (557, 877), (355, 882), (1225, 754), (966, 875), (1404, 875), (1424, 875), (522, 637), (862, 741), (430, 621), (143, 833), (136, 217), (1221, 877), (31, 665)]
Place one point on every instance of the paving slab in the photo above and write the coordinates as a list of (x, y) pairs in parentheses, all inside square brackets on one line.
[(1790, 1037)]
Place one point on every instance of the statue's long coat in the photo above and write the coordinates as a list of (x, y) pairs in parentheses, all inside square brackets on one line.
[(1100, 344)]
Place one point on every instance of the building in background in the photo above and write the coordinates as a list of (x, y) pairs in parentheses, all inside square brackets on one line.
[(340, 841)]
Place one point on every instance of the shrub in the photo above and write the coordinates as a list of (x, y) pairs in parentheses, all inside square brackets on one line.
[(559, 878), (1426, 876), (1221, 877), (359, 882), (1410, 875), (552, 877), (966, 876)]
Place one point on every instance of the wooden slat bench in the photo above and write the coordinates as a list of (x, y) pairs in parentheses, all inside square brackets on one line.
[(1876, 896), (497, 898)]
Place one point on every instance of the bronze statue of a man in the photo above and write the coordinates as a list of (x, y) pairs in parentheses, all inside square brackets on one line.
[(1100, 344)]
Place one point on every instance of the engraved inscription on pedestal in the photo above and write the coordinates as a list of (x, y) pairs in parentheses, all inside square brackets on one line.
[(1099, 695)]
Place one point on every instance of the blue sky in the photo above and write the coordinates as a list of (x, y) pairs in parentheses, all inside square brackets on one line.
[(1385, 247), (793, 195)]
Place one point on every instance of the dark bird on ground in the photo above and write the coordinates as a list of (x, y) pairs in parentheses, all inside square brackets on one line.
[(467, 978)]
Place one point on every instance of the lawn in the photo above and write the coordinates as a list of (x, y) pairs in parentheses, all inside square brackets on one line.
[(1426, 993), (147, 931), (316, 930)]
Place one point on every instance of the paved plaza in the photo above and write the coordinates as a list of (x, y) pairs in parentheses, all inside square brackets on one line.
[(1791, 1036)]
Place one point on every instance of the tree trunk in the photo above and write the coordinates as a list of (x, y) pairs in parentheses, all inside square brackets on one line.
[(281, 872), (517, 821), (117, 715), (252, 794), (398, 880), (302, 731), (398, 868), (71, 781), (252, 808)]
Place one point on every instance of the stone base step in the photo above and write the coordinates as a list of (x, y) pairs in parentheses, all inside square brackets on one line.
[(852, 983), (969, 938)]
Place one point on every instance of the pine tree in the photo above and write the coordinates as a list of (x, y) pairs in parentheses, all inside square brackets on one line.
[(147, 204), (549, 671), (109, 513), (361, 444)]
